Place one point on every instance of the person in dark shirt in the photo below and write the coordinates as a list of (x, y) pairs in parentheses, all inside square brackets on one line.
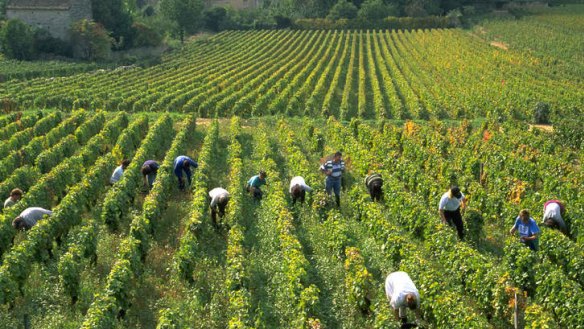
[(183, 163)]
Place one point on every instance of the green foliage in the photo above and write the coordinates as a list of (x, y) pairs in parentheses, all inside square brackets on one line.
[(186, 14), (474, 222), (541, 113), (568, 130), (342, 9), (90, 41), (17, 40), (113, 16), (376, 10)]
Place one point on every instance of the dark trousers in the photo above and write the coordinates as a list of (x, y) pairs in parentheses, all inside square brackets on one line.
[(455, 218), (375, 190)]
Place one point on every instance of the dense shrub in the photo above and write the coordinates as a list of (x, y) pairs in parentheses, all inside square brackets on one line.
[(343, 9), (568, 130), (541, 113), (145, 36), (90, 40), (404, 23), (17, 40)]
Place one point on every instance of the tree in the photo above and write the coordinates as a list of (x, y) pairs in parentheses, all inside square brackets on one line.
[(343, 9), (17, 40), (214, 18), (421, 8), (113, 15), (376, 9), (90, 40), (186, 14)]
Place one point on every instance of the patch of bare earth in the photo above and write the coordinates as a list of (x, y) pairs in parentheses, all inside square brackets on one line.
[(548, 128), (500, 45)]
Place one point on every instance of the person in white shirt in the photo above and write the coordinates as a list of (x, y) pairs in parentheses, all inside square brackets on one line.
[(449, 208), (219, 199), (29, 217), (402, 294), (298, 189), (553, 210), (119, 171)]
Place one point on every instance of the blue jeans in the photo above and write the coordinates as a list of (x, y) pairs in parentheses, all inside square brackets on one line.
[(333, 184)]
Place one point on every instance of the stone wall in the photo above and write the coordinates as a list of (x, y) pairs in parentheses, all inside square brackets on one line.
[(80, 9), (57, 22)]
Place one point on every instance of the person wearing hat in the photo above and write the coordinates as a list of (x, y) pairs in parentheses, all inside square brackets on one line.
[(528, 230), (449, 208), (15, 196), (219, 199), (333, 169), (553, 210), (254, 184), (374, 182), (298, 189)]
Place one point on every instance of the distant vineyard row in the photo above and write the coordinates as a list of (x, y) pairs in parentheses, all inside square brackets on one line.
[(369, 74)]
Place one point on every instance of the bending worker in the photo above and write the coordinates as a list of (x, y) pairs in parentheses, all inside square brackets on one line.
[(402, 294), (219, 199), (553, 210), (29, 217), (183, 163), (298, 189)]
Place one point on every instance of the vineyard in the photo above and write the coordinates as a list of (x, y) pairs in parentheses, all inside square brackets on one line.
[(424, 108), (124, 257), (422, 74), (556, 37)]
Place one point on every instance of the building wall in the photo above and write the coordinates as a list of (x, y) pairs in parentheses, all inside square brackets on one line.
[(57, 22), (80, 9)]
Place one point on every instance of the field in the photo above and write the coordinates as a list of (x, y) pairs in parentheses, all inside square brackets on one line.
[(124, 257), (366, 74), (156, 256)]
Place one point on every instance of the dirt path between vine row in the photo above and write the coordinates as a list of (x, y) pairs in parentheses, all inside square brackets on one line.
[(499, 44), (547, 128)]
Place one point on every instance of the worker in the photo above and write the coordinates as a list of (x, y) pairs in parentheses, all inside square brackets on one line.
[(119, 171), (298, 189), (553, 212), (402, 294), (333, 169), (29, 217), (528, 230), (450, 204), (254, 184), (149, 171), (183, 163), (15, 196), (374, 182), (219, 199)]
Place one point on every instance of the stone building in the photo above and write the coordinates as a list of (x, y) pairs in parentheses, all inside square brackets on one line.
[(236, 4), (55, 16)]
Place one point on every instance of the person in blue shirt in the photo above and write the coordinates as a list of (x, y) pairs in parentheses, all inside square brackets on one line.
[(254, 184), (183, 163), (528, 230)]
